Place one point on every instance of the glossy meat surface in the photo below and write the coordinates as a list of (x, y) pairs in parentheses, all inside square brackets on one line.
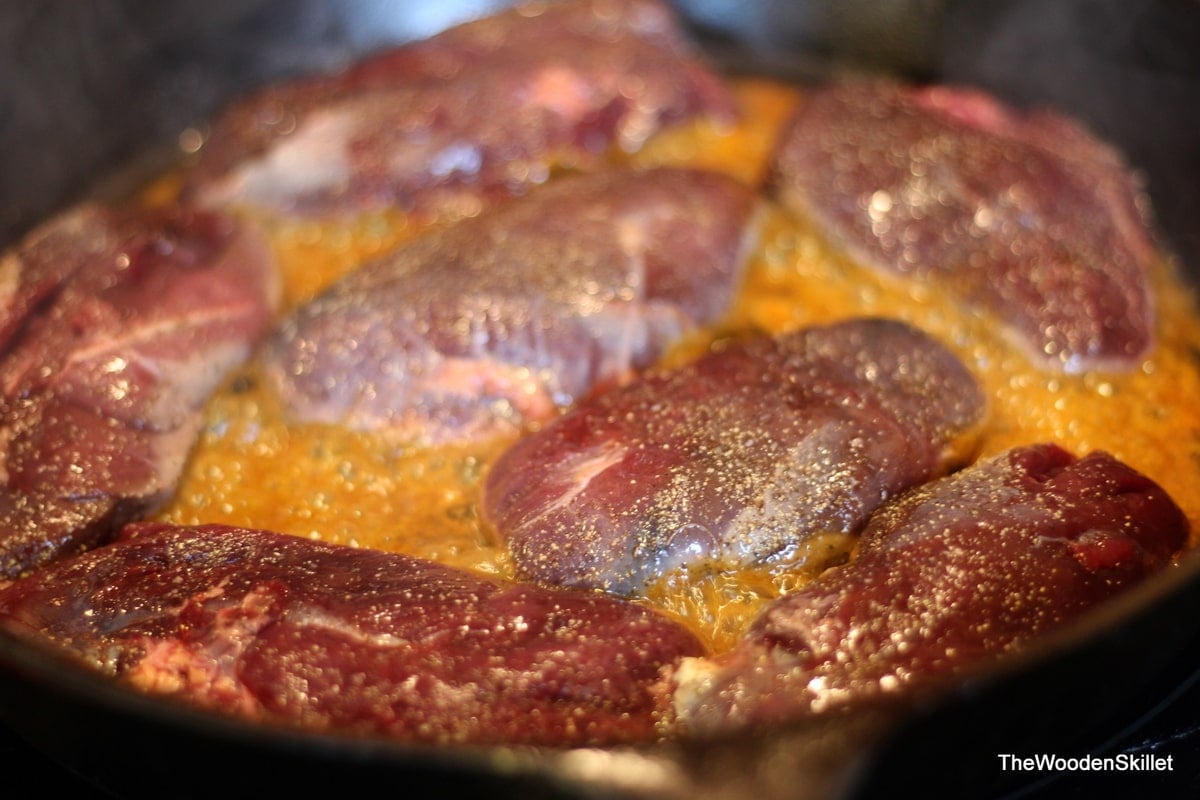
[(963, 569), (116, 325), (735, 459), (1027, 216), (502, 319), (331, 638), (483, 110)]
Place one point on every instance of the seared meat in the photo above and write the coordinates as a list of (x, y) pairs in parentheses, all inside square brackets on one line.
[(502, 319), (332, 638), (115, 327), (966, 568), (484, 109), (1029, 217), (734, 459)]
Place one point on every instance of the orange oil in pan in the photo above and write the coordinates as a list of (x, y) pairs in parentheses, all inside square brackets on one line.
[(251, 468)]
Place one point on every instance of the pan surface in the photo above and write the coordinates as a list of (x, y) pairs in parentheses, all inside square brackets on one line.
[(84, 87)]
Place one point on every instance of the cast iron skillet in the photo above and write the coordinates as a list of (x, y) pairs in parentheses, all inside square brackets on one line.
[(84, 87)]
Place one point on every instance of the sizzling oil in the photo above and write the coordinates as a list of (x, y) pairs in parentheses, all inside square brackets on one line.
[(251, 468)]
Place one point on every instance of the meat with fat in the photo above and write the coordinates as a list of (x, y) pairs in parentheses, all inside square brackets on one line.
[(736, 459), (1028, 216), (962, 570), (338, 639), (498, 321), (115, 326), (483, 110)]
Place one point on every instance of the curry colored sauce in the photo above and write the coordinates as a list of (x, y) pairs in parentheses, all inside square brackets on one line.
[(252, 468), (312, 255)]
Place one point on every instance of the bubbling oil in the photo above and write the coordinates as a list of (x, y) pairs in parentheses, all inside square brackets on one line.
[(253, 468)]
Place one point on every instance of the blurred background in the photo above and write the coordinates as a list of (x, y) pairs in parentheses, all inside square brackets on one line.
[(86, 86)]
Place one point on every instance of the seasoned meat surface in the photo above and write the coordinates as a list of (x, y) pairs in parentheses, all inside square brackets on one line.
[(1027, 216), (734, 459), (483, 110), (332, 638), (500, 320), (116, 326), (965, 568)]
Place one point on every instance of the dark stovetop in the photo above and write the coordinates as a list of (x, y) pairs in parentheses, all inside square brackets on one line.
[(1168, 725), (1158, 722), (45, 776)]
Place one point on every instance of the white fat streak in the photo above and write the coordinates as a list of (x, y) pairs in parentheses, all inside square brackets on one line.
[(633, 239), (151, 331), (694, 679), (752, 235), (312, 159), (431, 688), (311, 617), (192, 379), (169, 666), (582, 472)]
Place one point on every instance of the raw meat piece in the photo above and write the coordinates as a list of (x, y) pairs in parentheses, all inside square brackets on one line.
[(482, 110), (966, 568), (331, 638), (500, 320), (115, 327), (1028, 216), (735, 459)]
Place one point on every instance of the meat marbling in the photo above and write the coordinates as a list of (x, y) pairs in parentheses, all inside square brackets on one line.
[(501, 320), (735, 459), (332, 638), (966, 568), (1026, 215), (484, 109), (115, 327)]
